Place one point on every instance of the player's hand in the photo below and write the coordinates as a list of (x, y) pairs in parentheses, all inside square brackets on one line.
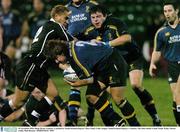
[(80, 82), (152, 70), (52, 118), (73, 84), (95, 41), (63, 66)]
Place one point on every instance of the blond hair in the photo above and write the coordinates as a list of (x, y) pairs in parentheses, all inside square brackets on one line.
[(58, 9)]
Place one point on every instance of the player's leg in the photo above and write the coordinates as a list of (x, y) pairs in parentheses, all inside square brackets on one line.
[(173, 78), (22, 90), (136, 77), (74, 97), (177, 97), (174, 105), (2, 87), (18, 100), (73, 105), (101, 104), (126, 108), (90, 113), (46, 102), (117, 82)]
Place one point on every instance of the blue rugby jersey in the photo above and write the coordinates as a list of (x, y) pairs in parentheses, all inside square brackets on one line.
[(80, 17), (167, 40), (85, 56)]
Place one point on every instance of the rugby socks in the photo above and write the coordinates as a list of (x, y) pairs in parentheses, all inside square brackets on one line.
[(128, 112), (45, 103), (148, 103), (90, 113), (73, 105), (176, 113), (6, 110), (109, 116)]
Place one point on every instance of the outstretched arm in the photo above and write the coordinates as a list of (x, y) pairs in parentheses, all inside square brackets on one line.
[(120, 40)]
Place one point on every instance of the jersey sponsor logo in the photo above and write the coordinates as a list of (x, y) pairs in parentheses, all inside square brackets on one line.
[(174, 39), (78, 17), (167, 34)]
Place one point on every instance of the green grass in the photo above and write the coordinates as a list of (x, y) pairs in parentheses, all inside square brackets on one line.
[(159, 88)]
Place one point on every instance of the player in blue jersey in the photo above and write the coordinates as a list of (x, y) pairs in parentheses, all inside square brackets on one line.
[(167, 42), (98, 66), (78, 21), (79, 18)]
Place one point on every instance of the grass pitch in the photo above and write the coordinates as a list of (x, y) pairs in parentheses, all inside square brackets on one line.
[(158, 87)]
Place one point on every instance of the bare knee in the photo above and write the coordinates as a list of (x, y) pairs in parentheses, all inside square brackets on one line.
[(117, 94), (92, 98), (136, 85)]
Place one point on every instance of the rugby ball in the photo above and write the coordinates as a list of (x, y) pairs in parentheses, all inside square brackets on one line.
[(70, 75)]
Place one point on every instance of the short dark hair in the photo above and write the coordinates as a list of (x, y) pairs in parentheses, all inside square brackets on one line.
[(174, 3), (99, 8), (55, 47)]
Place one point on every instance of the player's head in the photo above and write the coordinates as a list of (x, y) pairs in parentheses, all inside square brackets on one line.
[(38, 5), (77, 2), (57, 50), (60, 14), (171, 11), (98, 15), (6, 4)]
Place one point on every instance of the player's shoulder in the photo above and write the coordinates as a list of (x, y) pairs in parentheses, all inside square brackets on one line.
[(162, 29), (15, 12), (31, 15), (93, 2), (51, 23), (89, 29)]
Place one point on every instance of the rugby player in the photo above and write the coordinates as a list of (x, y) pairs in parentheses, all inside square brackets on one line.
[(167, 43), (32, 72), (110, 29)]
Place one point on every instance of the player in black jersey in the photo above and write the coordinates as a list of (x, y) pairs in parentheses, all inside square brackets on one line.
[(32, 72), (109, 29)]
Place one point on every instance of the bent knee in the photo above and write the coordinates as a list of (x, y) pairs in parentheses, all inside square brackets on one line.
[(92, 98), (136, 85)]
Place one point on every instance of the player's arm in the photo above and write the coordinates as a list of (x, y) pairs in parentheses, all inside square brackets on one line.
[(120, 40), (52, 119), (155, 58), (62, 117), (123, 36), (15, 115), (81, 82), (158, 44)]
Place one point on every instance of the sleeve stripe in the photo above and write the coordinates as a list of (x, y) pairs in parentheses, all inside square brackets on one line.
[(155, 38), (44, 42), (115, 28), (93, 2), (77, 61)]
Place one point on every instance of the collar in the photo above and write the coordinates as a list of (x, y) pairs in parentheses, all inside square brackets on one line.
[(57, 22), (82, 2)]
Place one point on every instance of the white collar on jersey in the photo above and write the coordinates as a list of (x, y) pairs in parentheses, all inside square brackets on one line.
[(56, 22)]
